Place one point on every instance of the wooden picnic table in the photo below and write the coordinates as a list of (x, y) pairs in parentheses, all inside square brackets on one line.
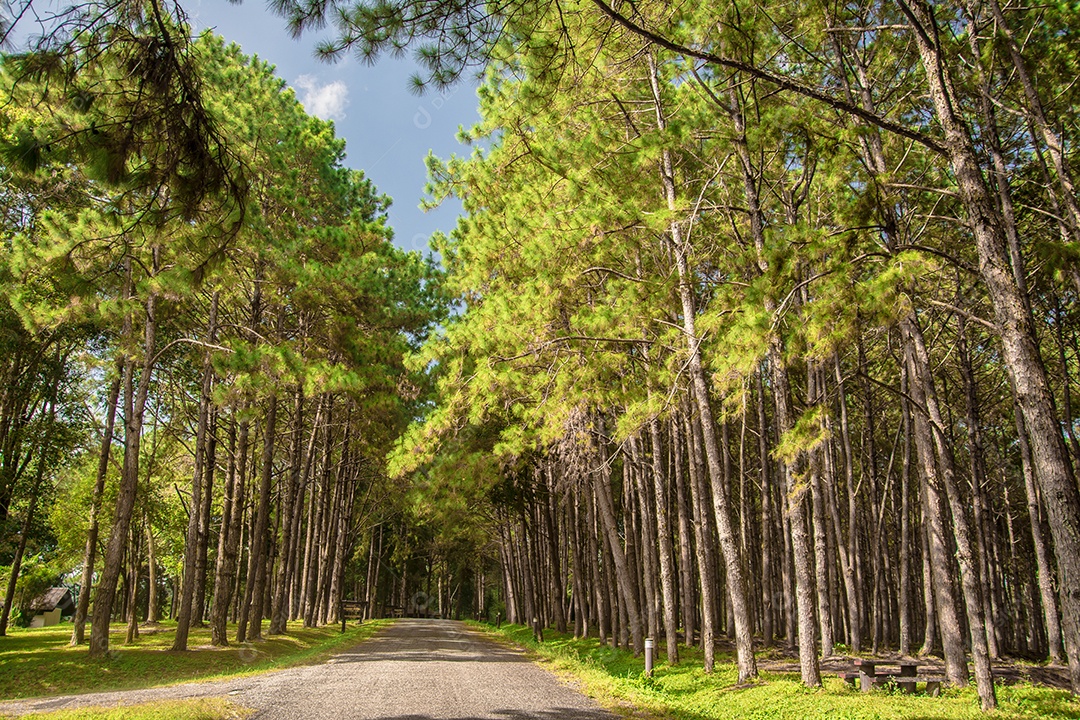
[(870, 674)]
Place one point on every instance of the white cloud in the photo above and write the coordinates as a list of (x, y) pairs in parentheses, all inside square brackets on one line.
[(323, 101)]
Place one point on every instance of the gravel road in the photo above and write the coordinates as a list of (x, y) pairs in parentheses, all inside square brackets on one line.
[(413, 670)]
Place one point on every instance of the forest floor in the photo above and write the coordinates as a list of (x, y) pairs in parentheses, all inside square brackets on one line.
[(616, 678), (39, 662), (427, 669), (1006, 671)]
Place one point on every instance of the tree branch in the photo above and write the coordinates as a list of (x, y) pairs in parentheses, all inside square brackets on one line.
[(781, 82)]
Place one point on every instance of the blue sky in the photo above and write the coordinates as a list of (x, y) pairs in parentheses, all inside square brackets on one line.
[(388, 130)]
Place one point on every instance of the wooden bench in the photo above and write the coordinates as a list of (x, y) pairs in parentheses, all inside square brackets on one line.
[(868, 675), (352, 610)]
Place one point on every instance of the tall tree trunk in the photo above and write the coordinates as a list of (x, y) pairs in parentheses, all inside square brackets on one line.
[(606, 509), (579, 569), (279, 610), (557, 589), (941, 557), (768, 569), (603, 622), (132, 587), (686, 563), (198, 609), (372, 571), (78, 629), (295, 573), (641, 515), (135, 396), (832, 526), (342, 540), (800, 540), (930, 629), (513, 609), (923, 389), (35, 493), (870, 477), (821, 544), (851, 551), (744, 648), (736, 583), (795, 511), (667, 555), (978, 480), (231, 530), (905, 520), (699, 492), (256, 574), (316, 521), (153, 615), (1043, 564), (191, 545), (636, 559)]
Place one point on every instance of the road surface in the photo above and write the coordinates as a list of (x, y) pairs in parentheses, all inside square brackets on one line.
[(413, 670)]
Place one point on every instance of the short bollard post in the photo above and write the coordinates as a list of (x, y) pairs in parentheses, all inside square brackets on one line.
[(648, 656), (498, 620)]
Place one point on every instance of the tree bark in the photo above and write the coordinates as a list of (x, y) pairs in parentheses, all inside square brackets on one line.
[(699, 493), (941, 558), (231, 531), (135, 396), (198, 609), (606, 509), (905, 521), (78, 629), (556, 587), (686, 562), (851, 550), (191, 545), (603, 622), (20, 549), (667, 555), (821, 544), (152, 614), (768, 569), (256, 574), (744, 648), (279, 610), (1043, 564)]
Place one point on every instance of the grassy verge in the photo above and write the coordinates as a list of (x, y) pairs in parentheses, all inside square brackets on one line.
[(39, 662), (201, 709), (616, 679)]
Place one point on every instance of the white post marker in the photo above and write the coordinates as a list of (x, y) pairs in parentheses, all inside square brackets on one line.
[(648, 656)]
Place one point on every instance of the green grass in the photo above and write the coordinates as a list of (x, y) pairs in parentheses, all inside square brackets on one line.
[(39, 662), (616, 679), (201, 709)]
